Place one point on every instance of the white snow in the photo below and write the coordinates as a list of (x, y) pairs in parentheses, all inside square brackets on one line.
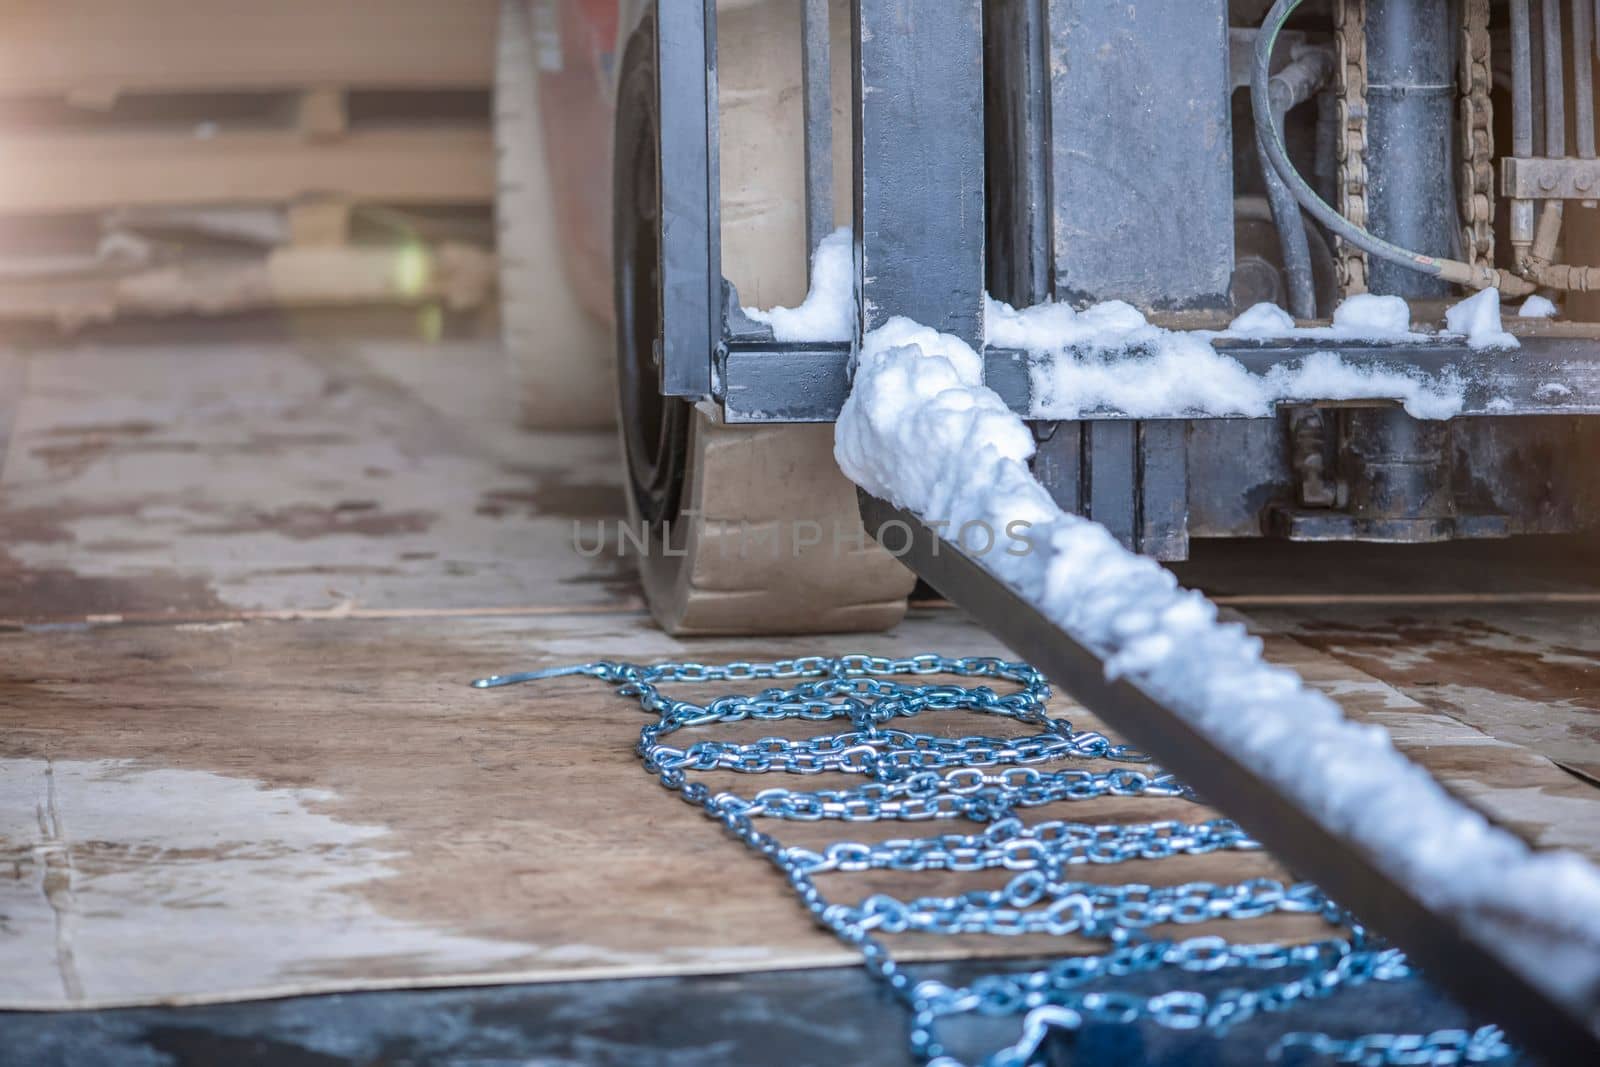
[(1262, 320), (828, 312), (917, 401), (1363, 317), (1478, 318), (1552, 391), (1326, 376), (920, 430), (1109, 357), (1537, 307), (1368, 315)]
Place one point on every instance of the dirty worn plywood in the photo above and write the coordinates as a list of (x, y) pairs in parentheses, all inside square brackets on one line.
[(204, 481), (224, 810), (1527, 673), (1513, 785), (236, 809)]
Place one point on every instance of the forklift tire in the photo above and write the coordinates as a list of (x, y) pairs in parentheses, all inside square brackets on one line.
[(768, 541), (559, 352), (753, 529)]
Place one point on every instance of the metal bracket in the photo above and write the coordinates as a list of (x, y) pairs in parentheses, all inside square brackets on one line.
[(1130, 477), (1549, 179), (1546, 376)]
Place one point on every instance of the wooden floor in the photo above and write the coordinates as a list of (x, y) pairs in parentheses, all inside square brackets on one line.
[(224, 480), (244, 584)]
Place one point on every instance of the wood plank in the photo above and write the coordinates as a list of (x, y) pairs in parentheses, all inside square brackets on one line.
[(71, 171), (1513, 785), (100, 48), (312, 274), (1528, 673), (319, 221), (320, 113), (243, 809)]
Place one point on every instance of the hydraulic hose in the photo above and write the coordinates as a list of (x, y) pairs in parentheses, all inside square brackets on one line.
[(1272, 144), (1289, 88)]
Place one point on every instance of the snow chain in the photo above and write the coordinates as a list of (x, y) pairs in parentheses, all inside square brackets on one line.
[(984, 784), (1477, 137), (1350, 42)]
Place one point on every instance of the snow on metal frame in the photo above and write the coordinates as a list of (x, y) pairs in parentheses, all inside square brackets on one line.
[(1110, 356)]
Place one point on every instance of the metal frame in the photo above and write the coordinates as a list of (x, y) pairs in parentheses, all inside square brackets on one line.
[(1545, 989), (691, 241), (945, 160), (919, 187), (919, 164), (1139, 152), (919, 235), (766, 382), (1016, 39)]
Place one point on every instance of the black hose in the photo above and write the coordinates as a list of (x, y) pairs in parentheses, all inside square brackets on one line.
[(1289, 88), (1291, 226), (1323, 266)]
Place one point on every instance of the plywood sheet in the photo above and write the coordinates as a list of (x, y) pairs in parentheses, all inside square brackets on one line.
[(1513, 785), (1528, 673), (236, 809)]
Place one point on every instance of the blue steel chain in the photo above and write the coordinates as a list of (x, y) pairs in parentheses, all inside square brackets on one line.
[(989, 780)]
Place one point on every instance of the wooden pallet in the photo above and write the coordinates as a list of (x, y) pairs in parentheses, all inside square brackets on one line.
[(107, 107)]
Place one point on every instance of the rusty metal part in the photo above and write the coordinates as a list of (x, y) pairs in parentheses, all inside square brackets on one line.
[(1350, 74), (1310, 444), (1552, 178), (1538, 264)]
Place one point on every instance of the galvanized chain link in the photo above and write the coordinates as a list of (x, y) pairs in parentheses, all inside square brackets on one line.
[(912, 776), (1350, 44), (1477, 136)]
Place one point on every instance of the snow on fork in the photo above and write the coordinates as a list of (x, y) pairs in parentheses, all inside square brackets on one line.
[(921, 431)]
